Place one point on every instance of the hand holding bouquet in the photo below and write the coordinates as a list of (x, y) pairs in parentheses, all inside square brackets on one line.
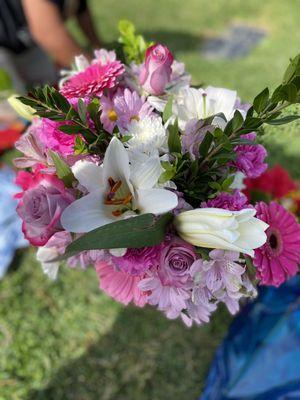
[(135, 172)]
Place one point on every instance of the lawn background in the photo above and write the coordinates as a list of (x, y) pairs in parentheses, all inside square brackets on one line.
[(66, 340)]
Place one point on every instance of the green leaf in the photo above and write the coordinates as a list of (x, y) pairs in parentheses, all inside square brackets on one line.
[(168, 109), (284, 120), (174, 138), (80, 146), (82, 111), (141, 231), (205, 144), (63, 171), (261, 100), (289, 92), (292, 70), (71, 129)]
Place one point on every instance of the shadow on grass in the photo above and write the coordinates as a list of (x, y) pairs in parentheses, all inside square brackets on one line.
[(144, 356)]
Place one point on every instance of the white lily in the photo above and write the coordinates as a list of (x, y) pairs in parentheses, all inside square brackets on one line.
[(222, 229), (117, 190)]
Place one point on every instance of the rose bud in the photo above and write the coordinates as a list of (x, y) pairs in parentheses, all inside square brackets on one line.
[(156, 70)]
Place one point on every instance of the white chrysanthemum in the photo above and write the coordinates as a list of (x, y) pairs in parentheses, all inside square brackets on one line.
[(147, 134)]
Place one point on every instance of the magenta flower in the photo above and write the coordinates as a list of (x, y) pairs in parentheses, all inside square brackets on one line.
[(93, 81), (235, 201), (41, 205), (52, 138), (278, 258), (156, 70), (138, 261), (250, 158), (120, 286)]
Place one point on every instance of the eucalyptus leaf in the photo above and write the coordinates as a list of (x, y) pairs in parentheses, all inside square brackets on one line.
[(136, 232)]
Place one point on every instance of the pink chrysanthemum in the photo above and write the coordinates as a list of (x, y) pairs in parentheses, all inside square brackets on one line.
[(278, 258), (93, 81), (119, 285)]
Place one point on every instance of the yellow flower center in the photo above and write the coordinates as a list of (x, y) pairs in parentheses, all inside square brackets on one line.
[(112, 115)]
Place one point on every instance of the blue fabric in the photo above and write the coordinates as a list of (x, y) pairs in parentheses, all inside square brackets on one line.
[(11, 236), (260, 357)]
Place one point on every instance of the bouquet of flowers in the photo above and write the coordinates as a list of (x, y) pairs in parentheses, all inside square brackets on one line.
[(135, 172)]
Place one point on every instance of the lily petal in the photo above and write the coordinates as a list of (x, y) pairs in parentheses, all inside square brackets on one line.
[(156, 201), (116, 163), (88, 174), (145, 175), (86, 214)]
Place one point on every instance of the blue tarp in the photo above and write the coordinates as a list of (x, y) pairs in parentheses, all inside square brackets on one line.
[(11, 236), (260, 357)]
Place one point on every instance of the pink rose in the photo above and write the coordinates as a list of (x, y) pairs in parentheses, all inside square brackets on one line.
[(41, 205), (156, 70)]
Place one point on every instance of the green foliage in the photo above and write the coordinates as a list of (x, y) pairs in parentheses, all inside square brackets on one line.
[(63, 171), (141, 231), (134, 46), (50, 103), (174, 141)]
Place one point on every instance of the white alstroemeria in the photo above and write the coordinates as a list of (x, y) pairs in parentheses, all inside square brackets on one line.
[(190, 103), (203, 103), (147, 135), (44, 255), (117, 190), (222, 229)]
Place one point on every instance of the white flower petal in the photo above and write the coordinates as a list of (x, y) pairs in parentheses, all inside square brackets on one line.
[(43, 255), (145, 175), (116, 163), (86, 214), (156, 201), (88, 174)]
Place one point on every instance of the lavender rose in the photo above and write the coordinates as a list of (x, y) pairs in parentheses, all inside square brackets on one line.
[(177, 256), (41, 205), (193, 136), (156, 71)]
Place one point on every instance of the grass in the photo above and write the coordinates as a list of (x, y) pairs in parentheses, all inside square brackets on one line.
[(66, 340)]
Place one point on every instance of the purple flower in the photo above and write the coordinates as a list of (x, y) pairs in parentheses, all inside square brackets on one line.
[(156, 70), (122, 108), (86, 258), (250, 158), (138, 261), (41, 205), (193, 135), (223, 277), (235, 201), (182, 204), (177, 256), (169, 284)]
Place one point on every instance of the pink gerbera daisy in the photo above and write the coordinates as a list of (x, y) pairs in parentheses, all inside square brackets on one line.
[(278, 258), (119, 285), (93, 80)]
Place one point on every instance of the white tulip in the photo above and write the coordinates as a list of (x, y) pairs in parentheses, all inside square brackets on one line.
[(222, 229)]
